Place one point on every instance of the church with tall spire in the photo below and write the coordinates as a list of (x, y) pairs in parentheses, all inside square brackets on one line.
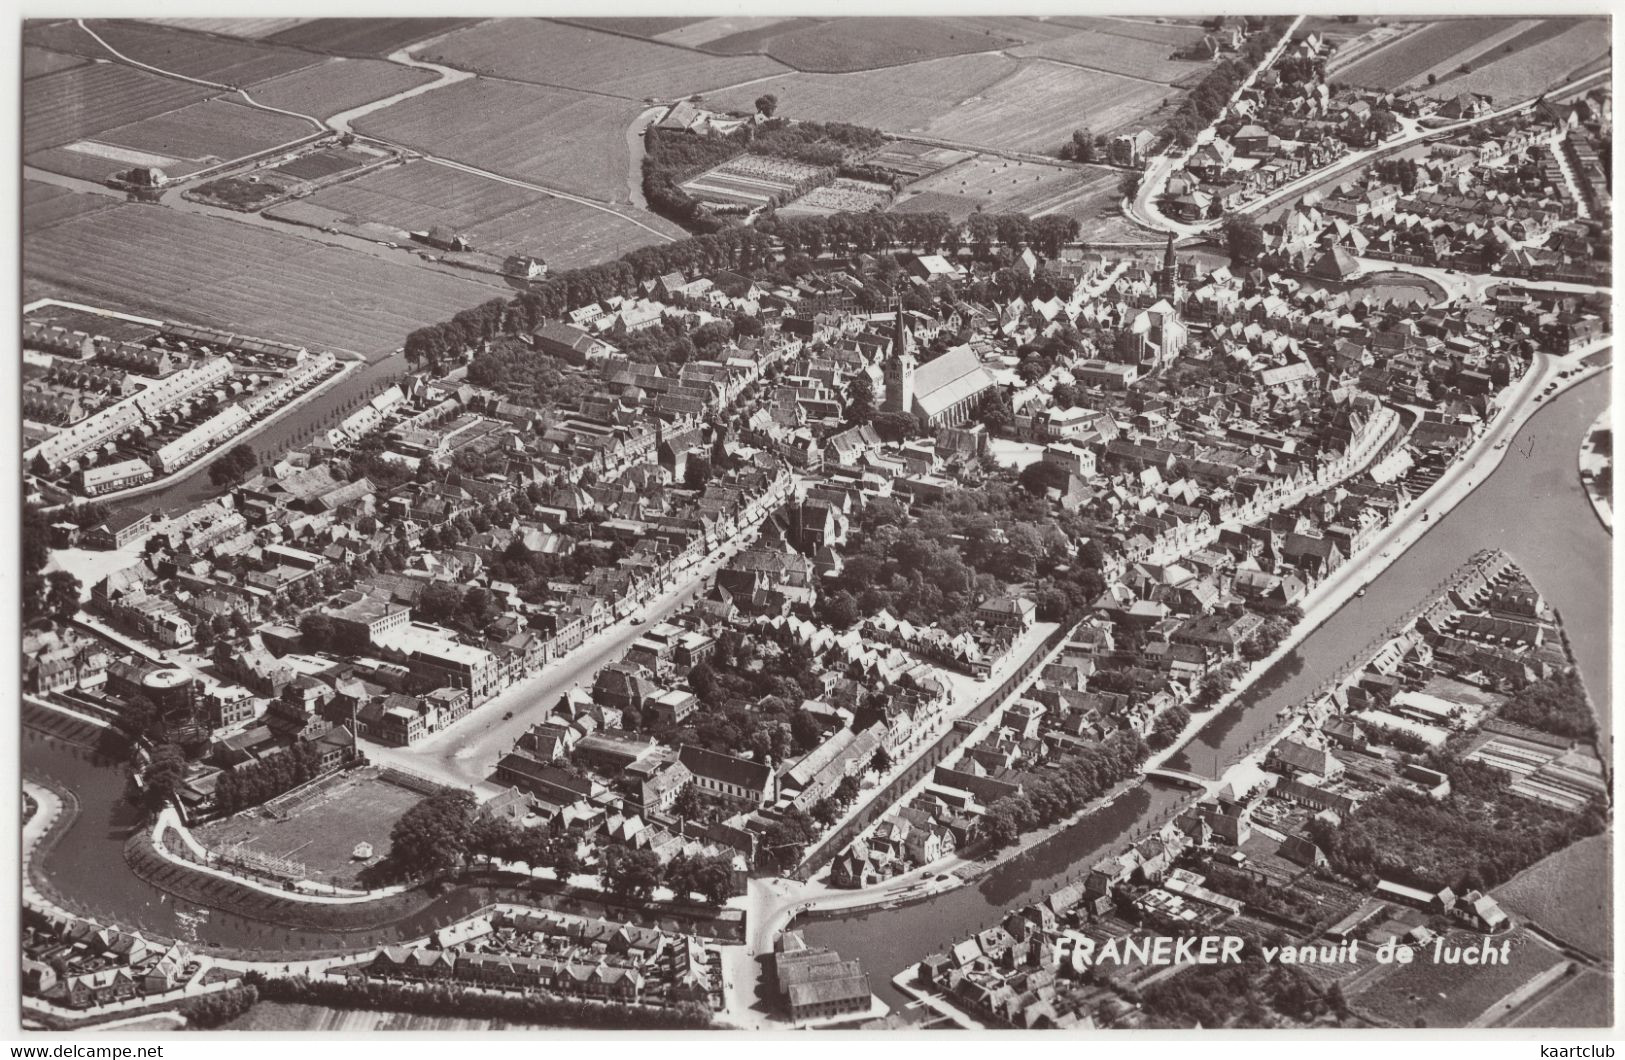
[(1168, 277), (943, 392), (899, 367)]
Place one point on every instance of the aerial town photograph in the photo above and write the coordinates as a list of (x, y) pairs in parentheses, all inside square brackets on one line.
[(1085, 523)]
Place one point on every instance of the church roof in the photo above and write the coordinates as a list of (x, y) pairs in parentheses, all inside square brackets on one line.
[(944, 382)]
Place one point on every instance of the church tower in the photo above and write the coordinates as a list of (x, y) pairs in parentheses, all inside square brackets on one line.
[(1170, 271), (899, 368)]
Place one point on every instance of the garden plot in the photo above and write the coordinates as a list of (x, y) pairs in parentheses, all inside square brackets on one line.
[(751, 180)]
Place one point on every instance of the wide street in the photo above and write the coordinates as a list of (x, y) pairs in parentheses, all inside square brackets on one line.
[(466, 753)]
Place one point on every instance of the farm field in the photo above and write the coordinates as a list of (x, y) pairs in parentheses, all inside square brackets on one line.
[(915, 159), (841, 195), (248, 28), (1583, 1000), (1569, 894), (1040, 106), (1451, 995), (374, 37), (567, 56), (338, 85), (553, 136), (651, 28), (37, 62), (901, 100), (218, 272), (688, 32), (497, 218), (223, 60), (1485, 51), (211, 131), (1160, 31), (1097, 206), (752, 180), (46, 204), (1118, 54), (325, 163), (1532, 70), (72, 104), (179, 142), (1419, 52), (322, 829), (847, 45), (998, 185)]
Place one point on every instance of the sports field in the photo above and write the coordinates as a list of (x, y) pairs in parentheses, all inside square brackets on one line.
[(568, 56), (999, 185), (338, 85), (553, 136), (321, 829), (165, 263), (497, 218)]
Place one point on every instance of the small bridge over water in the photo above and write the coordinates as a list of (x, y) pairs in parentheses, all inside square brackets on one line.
[(1184, 779)]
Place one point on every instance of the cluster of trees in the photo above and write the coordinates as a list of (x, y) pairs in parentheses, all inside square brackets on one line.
[(1556, 705), (936, 565), (442, 999), (734, 247), (1252, 993), (218, 1009), (54, 595), (749, 692), (1262, 644), (528, 375), (1212, 94), (252, 783), (1061, 791), (1256, 890), (1243, 239), (1085, 146), (233, 466), (443, 831), (1169, 725), (631, 873), (1477, 838)]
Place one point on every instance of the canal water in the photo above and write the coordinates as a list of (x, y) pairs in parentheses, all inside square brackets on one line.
[(323, 410), (1532, 506)]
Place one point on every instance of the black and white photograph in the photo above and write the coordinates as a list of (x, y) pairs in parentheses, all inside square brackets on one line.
[(1082, 522)]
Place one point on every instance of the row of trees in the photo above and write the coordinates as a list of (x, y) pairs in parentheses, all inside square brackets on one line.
[(1213, 93), (252, 783)]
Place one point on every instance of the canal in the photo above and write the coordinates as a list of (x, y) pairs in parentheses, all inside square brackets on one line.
[(325, 409), (1532, 506)]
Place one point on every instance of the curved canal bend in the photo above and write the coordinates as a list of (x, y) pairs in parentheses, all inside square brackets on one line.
[(1532, 505)]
